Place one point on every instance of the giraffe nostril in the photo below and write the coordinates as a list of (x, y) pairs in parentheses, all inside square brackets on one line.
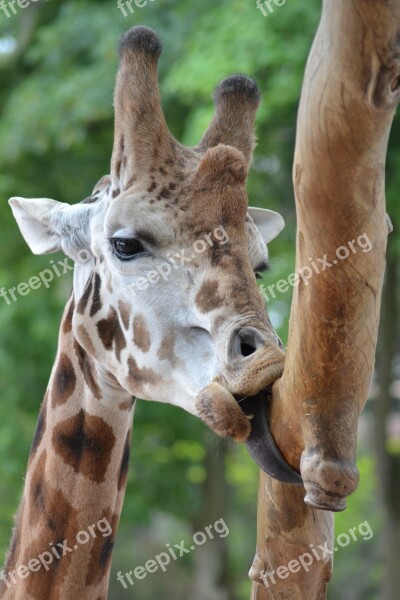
[(245, 342)]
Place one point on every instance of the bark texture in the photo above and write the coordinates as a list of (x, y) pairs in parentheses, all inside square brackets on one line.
[(349, 96)]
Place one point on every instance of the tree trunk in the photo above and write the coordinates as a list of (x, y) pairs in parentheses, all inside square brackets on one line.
[(349, 96), (388, 463)]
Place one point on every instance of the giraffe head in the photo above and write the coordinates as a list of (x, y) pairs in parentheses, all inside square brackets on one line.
[(166, 253)]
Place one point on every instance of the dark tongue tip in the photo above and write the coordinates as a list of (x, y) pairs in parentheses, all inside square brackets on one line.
[(261, 445)]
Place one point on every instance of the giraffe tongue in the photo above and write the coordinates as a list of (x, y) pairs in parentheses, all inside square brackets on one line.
[(261, 445)]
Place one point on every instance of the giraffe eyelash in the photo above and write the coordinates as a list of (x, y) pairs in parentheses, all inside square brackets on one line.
[(128, 248)]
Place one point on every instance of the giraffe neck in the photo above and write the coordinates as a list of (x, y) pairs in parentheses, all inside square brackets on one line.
[(75, 483)]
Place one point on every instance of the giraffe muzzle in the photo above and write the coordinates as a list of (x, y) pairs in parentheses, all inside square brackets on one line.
[(254, 361), (235, 404)]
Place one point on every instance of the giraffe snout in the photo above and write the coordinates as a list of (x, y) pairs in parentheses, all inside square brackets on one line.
[(251, 360), (254, 360)]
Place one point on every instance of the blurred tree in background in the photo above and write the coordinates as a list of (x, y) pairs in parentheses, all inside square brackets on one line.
[(57, 69)]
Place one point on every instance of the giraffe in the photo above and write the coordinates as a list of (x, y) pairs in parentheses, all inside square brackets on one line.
[(140, 322)]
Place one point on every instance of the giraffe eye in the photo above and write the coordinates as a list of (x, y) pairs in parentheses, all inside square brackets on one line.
[(126, 249)]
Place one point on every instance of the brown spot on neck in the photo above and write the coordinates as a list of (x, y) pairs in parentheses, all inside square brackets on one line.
[(96, 300), (124, 467), (40, 427), (85, 296), (37, 502), (64, 381), (101, 552), (85, 443), (67, 321), (87, 368)]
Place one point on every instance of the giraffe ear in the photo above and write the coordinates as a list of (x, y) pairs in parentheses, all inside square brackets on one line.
[(49, 226), (268, 222)]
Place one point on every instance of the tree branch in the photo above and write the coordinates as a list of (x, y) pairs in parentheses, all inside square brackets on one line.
[(350, 92)]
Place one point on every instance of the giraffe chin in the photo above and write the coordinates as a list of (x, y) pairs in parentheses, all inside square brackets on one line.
[(217, 407), (246, 420)]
